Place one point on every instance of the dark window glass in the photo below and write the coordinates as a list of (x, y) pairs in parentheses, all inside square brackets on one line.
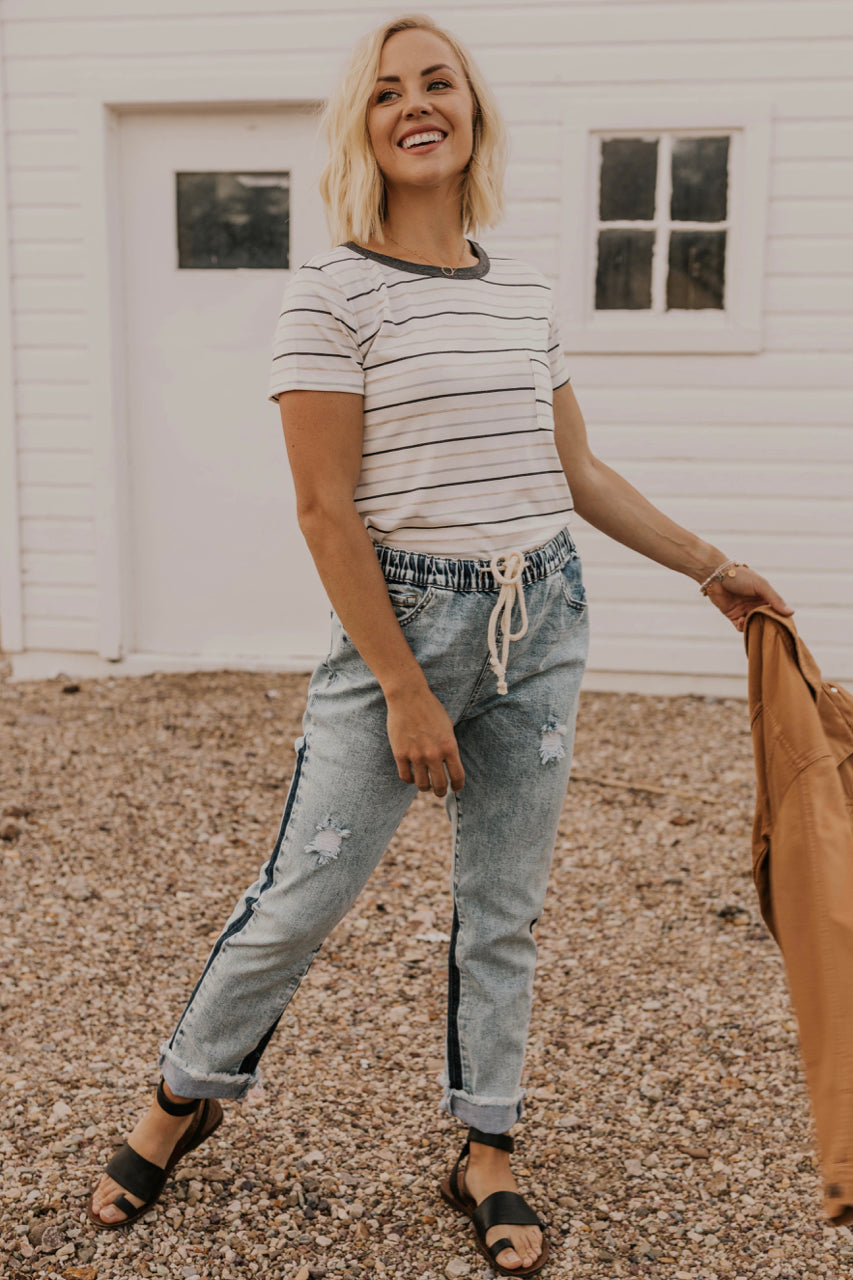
[(233, 220), (623, 279), (628, 176), (697, 270), (700, 179)]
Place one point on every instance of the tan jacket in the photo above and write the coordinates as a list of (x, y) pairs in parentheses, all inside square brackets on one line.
[(802, 844)]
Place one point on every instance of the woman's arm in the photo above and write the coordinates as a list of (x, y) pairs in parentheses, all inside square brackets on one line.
[(323, 434), (605, 499)]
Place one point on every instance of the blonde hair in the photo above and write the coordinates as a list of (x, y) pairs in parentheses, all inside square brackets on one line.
[(351, 183)]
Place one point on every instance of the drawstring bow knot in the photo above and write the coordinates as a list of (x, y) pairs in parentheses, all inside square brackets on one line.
[(507, 570)]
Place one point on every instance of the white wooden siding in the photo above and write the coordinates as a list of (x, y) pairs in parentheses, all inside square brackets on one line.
[(754, 452)]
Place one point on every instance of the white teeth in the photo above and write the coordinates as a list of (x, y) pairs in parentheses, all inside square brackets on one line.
[(416, 138)]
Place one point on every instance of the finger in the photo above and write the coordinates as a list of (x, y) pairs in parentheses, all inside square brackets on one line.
[(776, 602), (421, 776), (437, 775), (762, 591), (439, 780), (455, 770), (404, 770)]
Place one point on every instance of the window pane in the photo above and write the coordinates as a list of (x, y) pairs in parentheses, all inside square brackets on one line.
[(233, 220), (623, 279), (700, 179), (628, 175), (697, 269)]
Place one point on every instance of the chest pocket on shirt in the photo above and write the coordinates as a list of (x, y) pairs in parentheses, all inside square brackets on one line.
[(544, 393)]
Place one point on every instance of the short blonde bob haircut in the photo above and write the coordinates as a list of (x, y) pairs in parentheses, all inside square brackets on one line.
[(351, 183)]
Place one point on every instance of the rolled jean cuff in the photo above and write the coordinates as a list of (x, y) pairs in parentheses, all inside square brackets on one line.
[(490, 1115), (219, 1084)]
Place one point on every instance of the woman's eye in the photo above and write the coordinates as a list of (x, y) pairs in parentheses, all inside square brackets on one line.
[(386, 95)]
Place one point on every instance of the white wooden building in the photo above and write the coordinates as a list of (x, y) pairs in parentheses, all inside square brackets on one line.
[(146, 513)]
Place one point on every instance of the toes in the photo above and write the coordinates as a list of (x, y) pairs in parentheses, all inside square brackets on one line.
[(524, 1255), (101, 1194), (102, 1201), (110, 1213)]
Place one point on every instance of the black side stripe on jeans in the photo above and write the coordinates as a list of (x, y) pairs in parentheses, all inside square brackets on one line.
[(249, 1064), (454, 1053), (245, 916)]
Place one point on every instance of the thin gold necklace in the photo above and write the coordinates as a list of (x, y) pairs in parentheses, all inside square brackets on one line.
[(445, 271)]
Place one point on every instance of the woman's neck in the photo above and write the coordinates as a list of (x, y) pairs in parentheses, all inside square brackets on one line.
[(421, 229)]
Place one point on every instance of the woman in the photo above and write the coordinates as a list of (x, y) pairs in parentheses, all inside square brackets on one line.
[(436, 447)]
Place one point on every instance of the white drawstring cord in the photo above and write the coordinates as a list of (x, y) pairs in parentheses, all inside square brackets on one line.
[(509, 578)]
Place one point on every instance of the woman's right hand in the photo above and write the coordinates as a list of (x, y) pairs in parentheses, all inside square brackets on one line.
[(423, 742)]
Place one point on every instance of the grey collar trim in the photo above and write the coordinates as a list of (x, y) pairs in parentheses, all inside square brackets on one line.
[(424, 268)]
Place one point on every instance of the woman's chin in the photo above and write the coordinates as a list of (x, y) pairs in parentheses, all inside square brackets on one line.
[(425, 177)]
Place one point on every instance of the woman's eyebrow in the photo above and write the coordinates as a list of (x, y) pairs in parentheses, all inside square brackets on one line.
[(439, 66)]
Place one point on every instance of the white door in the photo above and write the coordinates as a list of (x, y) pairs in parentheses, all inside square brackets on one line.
[(218, 570)]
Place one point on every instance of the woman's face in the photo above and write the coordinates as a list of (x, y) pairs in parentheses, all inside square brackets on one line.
[(420, 116)]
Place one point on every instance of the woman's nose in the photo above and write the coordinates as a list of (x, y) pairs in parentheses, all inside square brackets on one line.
[(417, 107)]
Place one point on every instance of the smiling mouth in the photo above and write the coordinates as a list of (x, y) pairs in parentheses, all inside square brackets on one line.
[(425, 139)]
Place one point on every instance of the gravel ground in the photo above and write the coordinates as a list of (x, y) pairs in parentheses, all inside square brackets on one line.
[(667, 1129)]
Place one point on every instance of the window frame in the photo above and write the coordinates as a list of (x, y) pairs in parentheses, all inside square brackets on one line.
[(737, 328)]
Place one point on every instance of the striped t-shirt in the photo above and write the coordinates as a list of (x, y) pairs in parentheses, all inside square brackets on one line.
[(457, 375)]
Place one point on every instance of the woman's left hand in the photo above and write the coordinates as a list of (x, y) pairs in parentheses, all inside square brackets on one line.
[(737, 597)]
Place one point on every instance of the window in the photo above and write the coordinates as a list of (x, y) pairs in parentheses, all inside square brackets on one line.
[(227, 220), (664, 223), (662, 209)]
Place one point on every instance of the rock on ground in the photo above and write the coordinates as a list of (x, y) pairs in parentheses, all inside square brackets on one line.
[(666, 1130)]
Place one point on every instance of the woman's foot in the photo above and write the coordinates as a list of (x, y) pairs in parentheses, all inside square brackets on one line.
[(487, 1171), (155, 1138)]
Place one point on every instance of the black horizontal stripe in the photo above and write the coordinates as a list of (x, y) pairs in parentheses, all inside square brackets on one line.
[(448, 395), (364, 341), (319, 311), (499, 284), (429, 444), (405, 278), (325, 355), (455, 484), (482, 315), (367, 292), (512, 284), (456, 351), (472, 524)]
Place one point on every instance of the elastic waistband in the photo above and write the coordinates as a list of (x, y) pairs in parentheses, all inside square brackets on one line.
[(422, 570)]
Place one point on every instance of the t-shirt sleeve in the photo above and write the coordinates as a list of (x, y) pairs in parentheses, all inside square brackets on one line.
[(556, 359), (315, 347)]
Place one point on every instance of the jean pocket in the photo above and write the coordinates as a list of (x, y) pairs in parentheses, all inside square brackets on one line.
[(571, 582), (409, 602)]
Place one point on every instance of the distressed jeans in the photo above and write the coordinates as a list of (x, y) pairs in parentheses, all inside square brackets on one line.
[(346, 800)]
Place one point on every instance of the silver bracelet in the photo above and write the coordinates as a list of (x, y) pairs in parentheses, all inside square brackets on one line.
[(726, 570)]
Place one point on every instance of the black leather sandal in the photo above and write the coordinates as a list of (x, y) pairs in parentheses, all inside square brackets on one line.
[(143, 1178), (507, 1207)]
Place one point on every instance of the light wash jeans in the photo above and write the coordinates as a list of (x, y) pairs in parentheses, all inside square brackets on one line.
[(346, 801)]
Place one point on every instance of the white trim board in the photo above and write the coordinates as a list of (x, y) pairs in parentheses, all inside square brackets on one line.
[(47, 665), (739, 329), (44, 664), (102, 99), (11, 615)]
